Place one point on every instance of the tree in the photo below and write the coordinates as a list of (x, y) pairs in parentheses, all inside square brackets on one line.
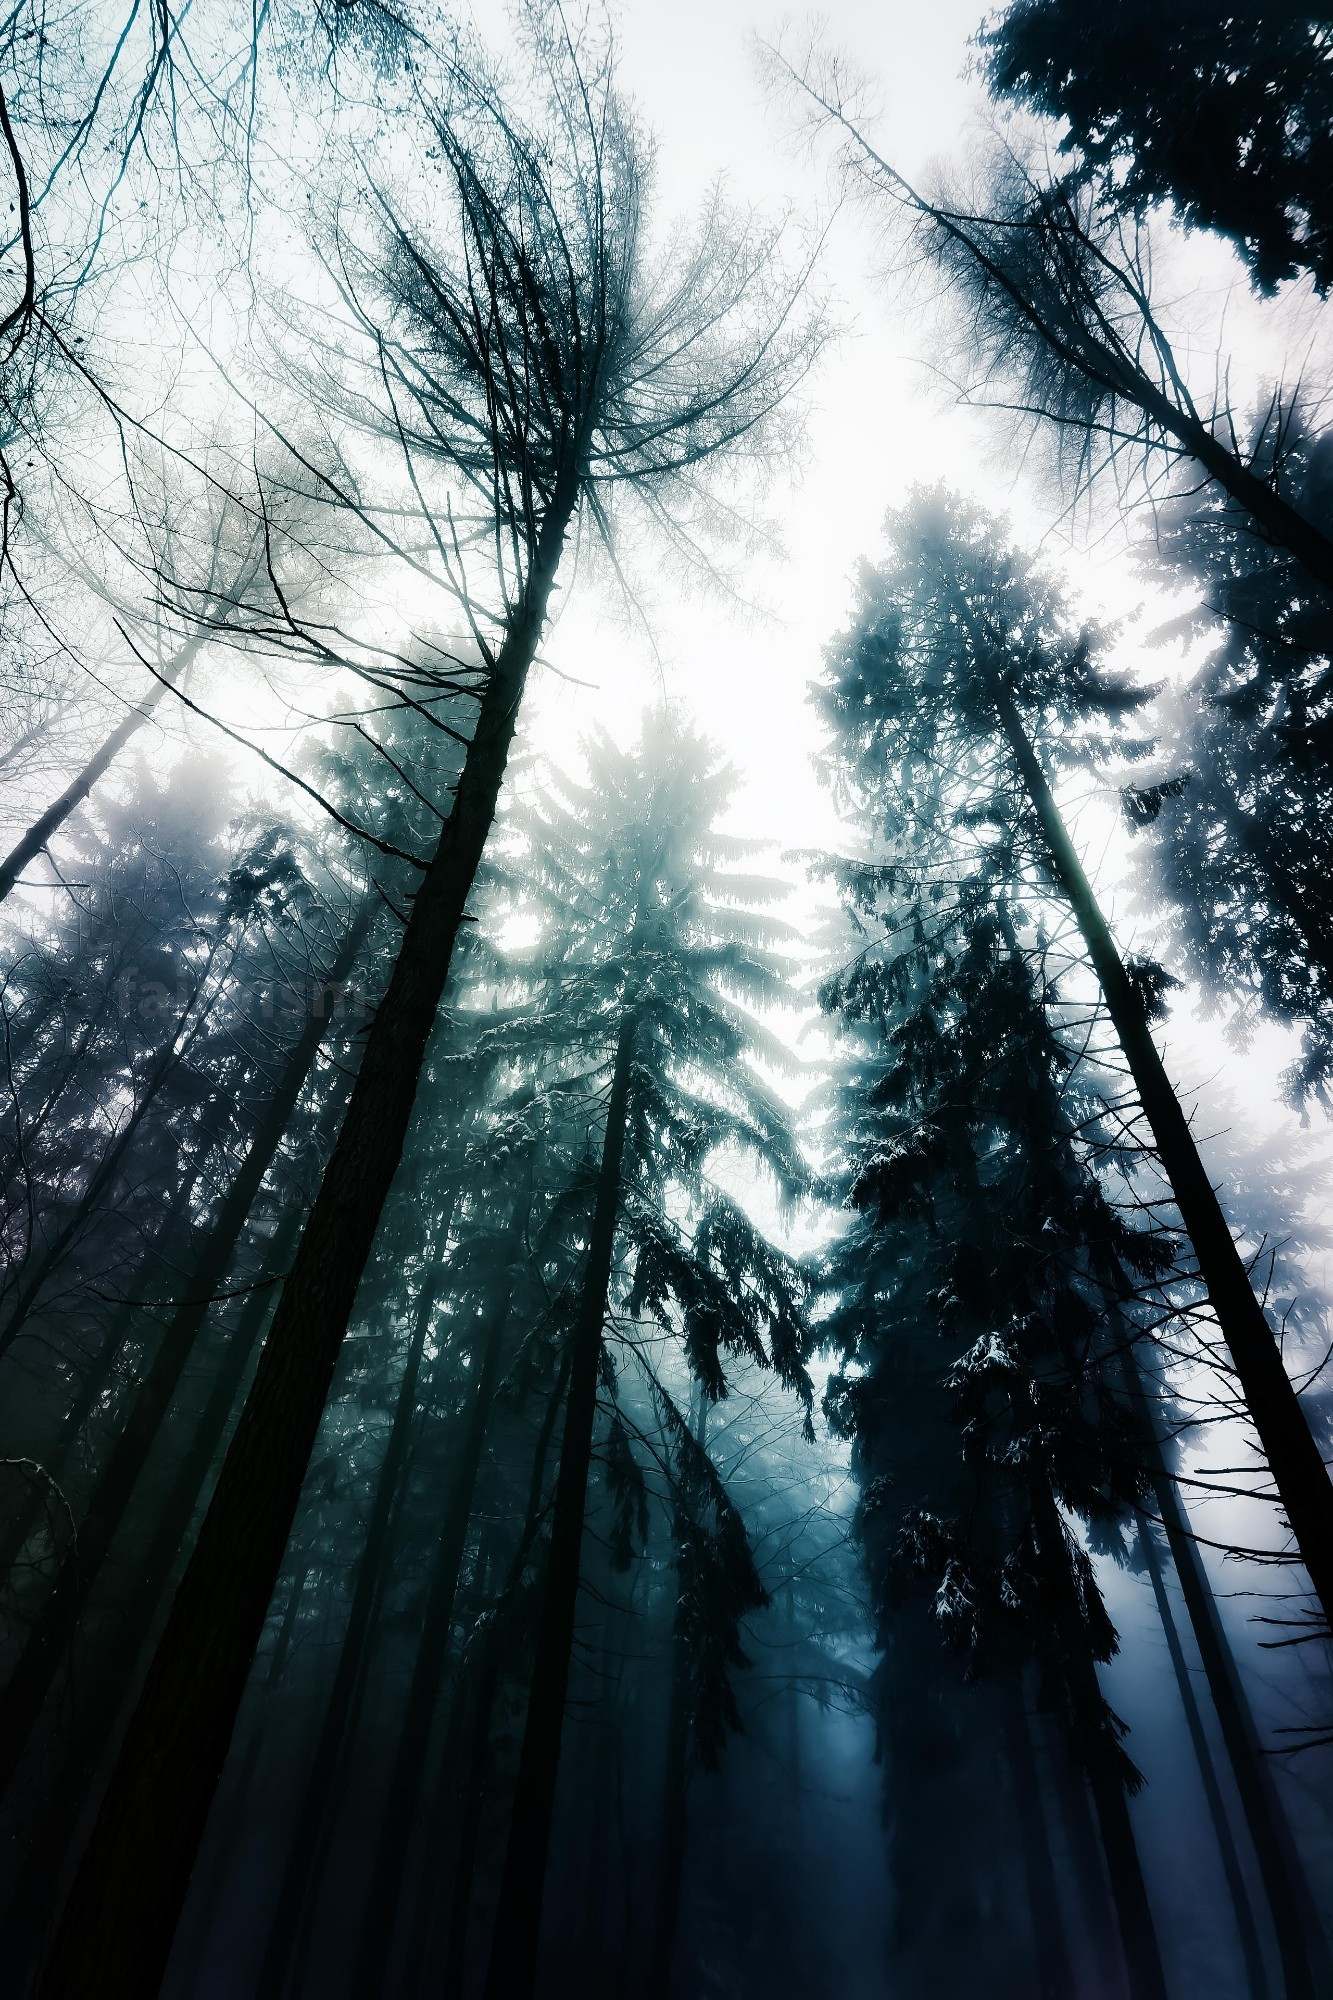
[(1224, 111), (1235, 822), (545, 364), (1049, 284), (660, 951), (964, 657)]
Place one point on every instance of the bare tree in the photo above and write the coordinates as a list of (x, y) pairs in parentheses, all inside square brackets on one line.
[(538, 357)]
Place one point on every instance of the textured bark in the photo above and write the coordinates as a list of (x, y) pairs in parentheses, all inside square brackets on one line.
[(48, 1641), (1299, 1473), (127, 1897), (513, 1965)]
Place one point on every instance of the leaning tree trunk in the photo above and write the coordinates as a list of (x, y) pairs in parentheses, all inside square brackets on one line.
[(1307, 1967), (46, 1836), (1299, 1473), (1246, 1929), (48, 1641), (399, 1812), (127, 1897), (513, 1966), (317, 1799), (50, 822), (36, 1270)]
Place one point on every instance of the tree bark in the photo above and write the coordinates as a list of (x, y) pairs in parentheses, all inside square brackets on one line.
[(127, 1897), (320, 1786), (513, 1965), (1303, 1485), (47, 1642)]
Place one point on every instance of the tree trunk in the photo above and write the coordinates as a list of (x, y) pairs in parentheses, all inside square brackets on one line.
[(671, 1864), (1055, 1971), (1246, 1929), (399, 1812), (1299, 1473), (49, 824), (513, 1965), (237, 1803), (127, 1897), (1096, 1749), (48, 1641), (103, 1690), (488, 1684), (321, 1783), (36, 1270), (1306, 1965)]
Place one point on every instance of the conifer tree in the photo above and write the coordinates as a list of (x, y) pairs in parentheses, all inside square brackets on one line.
[(1225, 111), (654, 951), (1237, 822), (964, 662)]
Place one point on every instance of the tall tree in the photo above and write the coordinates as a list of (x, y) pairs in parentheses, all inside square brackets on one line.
[(536, 339), (964, 657), (660, 950)]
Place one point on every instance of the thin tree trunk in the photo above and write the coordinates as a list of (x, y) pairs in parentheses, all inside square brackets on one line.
[(36, 1270), (317, 1799), (1307, 1968), (399, 1811), (1299, 1473), (237, 1804), (488, 1685), (127, 1898), (671, 1843), (1246, 1929), (1055, 1971), (49, 824), (101, 1695), (47, 1642), (1138, 1932), (513, 1965)]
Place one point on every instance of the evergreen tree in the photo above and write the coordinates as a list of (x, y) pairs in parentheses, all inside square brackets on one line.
[(965, 670), (1237, 858), (1225, 111), (654, 951)]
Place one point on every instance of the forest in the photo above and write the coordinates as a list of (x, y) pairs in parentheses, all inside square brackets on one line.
[(666, 1144)]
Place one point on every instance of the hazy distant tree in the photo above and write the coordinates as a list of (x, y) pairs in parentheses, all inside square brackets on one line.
[(656, 946), (1224, 110)]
